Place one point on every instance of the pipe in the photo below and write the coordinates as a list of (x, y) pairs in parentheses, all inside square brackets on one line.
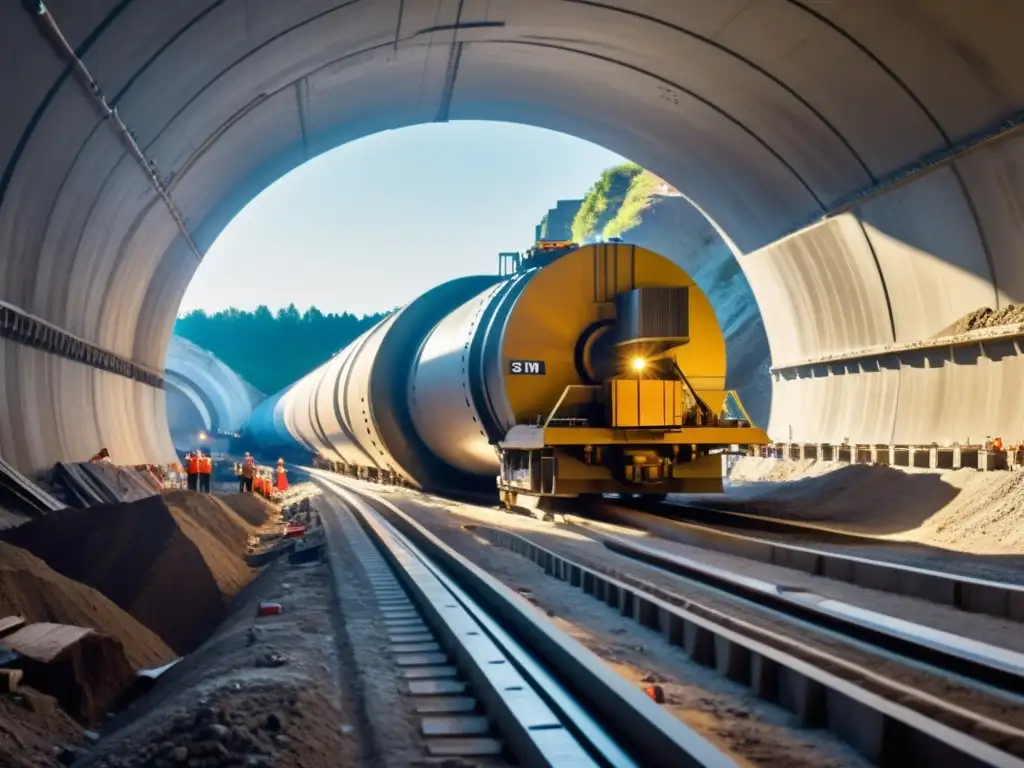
[(48, 26)]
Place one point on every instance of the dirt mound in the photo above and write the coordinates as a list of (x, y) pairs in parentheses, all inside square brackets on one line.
[(31, 725), (963, 510), (986, 317), (31, 588), (169, 567), (254, 509), (218, 533)]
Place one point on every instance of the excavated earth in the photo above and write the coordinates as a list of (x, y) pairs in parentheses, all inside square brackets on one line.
[(153, 578)]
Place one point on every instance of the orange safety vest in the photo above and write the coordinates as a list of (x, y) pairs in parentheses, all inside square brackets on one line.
[(206, 466), (193, 465), (282, 479), (257, 484)]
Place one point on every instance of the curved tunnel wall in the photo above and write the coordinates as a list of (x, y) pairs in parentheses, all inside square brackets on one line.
[(765, 112), (200, 385)]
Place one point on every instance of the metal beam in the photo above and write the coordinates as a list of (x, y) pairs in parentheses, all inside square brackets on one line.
[(20, 327), (48, 27)]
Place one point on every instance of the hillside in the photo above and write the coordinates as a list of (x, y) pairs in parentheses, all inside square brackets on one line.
[(636, 205)]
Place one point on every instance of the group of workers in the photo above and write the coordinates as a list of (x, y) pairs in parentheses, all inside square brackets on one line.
[(198, 470), (252, 480)]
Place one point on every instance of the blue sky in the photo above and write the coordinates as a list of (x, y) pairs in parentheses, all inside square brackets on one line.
[(374, 223)]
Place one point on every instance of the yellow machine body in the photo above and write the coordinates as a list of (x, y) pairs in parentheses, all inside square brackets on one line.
[(644, 444)]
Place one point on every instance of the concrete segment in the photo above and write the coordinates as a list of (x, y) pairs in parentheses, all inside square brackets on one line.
[(762, 112)]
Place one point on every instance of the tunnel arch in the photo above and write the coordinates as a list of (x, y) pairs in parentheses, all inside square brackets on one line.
[(894, 119)]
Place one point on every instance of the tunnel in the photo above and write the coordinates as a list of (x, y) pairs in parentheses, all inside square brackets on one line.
[(206, 400), (862, 158)]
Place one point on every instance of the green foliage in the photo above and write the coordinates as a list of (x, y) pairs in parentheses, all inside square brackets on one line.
[(603, 201), (636, 200), (271, 351)]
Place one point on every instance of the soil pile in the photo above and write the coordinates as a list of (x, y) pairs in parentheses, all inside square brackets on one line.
[(30, 588), (1011, 314), (255, 510), (963, 510), (218, 533), (146, 558), (31, 725)]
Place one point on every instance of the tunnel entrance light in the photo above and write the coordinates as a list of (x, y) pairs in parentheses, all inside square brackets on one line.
[(202, 435)]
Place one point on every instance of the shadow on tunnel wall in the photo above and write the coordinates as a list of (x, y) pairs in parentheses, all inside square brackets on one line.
[(672, 227)]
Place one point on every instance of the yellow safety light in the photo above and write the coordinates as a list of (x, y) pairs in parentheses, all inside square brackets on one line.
[(202, 435), (639, 364)]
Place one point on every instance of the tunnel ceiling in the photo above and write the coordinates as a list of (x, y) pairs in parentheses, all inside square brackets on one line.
[(766, 113)]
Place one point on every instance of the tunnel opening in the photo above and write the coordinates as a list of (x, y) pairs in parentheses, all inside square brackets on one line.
[(766, 140)]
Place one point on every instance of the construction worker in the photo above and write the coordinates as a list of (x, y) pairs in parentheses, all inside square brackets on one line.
[(205, 472), (282, 476), (248, 470), (192, 470)]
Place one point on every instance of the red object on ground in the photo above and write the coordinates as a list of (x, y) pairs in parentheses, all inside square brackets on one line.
[(269, 609), (655, 693), (294, 531)]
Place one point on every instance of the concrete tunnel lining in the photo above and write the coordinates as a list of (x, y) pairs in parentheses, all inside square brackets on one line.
[(764, 112)]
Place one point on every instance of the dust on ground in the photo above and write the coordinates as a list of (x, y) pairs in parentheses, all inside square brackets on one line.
[(260, 692), (964, 510), (725, 713)]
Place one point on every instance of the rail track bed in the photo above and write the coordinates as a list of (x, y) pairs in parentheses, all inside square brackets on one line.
[(882, 701), (963, 582), (478, 662)]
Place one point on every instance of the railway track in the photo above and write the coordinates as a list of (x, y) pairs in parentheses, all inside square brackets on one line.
[(887, 721), (944, 713), (488, 676), (725, 531)]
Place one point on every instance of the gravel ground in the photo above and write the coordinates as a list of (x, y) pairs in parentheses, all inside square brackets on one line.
[(271, 692), (574, 543), (727, 714)]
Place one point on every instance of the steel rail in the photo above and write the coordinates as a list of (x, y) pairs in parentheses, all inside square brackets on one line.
[(998, 667), (970, 594), (613, 718), (887, 722)]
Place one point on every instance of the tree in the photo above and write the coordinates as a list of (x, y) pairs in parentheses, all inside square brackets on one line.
[(271, 350)]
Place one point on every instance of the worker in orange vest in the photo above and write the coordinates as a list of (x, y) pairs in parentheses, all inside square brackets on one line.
[(282, 476), (245, 480), (205, 472), (192, 470)]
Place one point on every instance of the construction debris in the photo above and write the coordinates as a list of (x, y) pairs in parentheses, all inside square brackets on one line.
[(85, 671), (21, 495)]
